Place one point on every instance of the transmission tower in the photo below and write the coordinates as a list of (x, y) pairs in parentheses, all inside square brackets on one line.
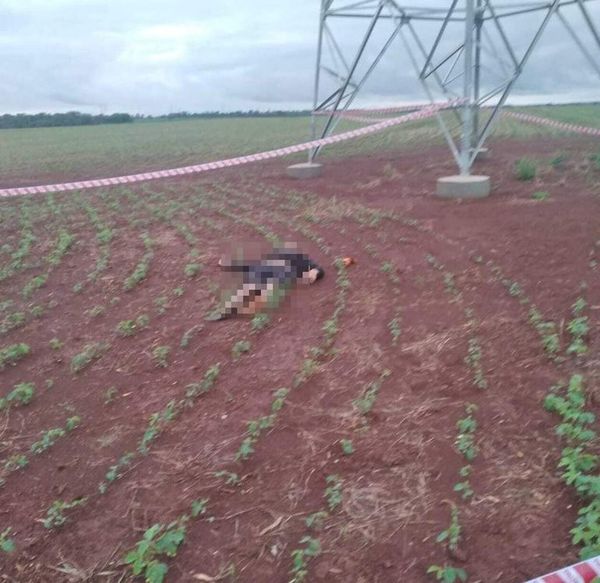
[(478, 70)]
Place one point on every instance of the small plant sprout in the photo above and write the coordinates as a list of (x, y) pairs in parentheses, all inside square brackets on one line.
[(22, 394), (161, 303), (158, 541), (464, 487), (447, 574), (239, 348), (131, 327), (160, 354), (558, 160), (578, 328), (473, 360), (90, 353), (347, 446), (231, 478), (333, 492), (110, 395), (55, 344), (259, 322), (16, 462), (465, 442), (12, 354), (7, 545), (301, 557), (55, 515), (36, 311), (395, 331), (525, 169), (95, 311), (199, 507), (315, 520), (192, 269), (451, 536)]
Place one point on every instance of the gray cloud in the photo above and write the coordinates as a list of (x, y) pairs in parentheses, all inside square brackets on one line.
[(149, 56)]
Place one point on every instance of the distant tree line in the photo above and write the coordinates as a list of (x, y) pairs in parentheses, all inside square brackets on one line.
[(76, 118), (212, 114), (71, 118)]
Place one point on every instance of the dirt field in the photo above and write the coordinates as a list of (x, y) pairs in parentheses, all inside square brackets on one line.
[(168, 415)]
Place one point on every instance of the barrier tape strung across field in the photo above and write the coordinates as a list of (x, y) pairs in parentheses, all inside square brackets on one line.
[(377, 127), (583, 572), (381, 110), (559, 125)]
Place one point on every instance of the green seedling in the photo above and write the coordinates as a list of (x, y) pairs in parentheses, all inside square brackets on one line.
[(231, 479), (161, 303), (16, 462), (110, 395), (131, 327), (95, 311), (316, 520), (447, 574), (12, 354), (558, 161), (451, 536), (7, 544), (464, 487), (34, 283), (90, 353), (194, 390), (22, 394), (347, 446), (158, 541), (156, 423), (12, 321), (333, 492), (239, 348), (161, 356), (192, 269), (525, 169), (115, 472), (465, 442), (473, 360), (365, 402), (395, 331), (55, 344), (301, 557), (259, 322), (55, 515), (36, 311)]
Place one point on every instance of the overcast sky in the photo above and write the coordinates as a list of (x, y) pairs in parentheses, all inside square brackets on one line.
[(150, 56)]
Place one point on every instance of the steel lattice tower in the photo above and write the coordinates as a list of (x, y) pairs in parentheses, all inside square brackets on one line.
[(445, 68)]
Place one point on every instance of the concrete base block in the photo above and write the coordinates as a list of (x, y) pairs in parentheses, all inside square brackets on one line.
[(463, 186), (305, 170)]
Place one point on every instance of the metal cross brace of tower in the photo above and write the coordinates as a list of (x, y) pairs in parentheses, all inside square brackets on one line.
[(480, 69)]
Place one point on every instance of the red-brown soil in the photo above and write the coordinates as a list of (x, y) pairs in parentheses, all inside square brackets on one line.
[(397, 485)]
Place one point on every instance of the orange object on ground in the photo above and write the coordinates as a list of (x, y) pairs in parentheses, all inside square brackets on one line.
[(348, 261)]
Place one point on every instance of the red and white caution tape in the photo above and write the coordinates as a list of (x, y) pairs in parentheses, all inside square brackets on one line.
[(381, 110), (583, 572), (351, 114), (377, 127), (559, 125)]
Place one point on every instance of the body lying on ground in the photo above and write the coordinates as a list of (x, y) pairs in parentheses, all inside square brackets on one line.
[(265, 281)]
